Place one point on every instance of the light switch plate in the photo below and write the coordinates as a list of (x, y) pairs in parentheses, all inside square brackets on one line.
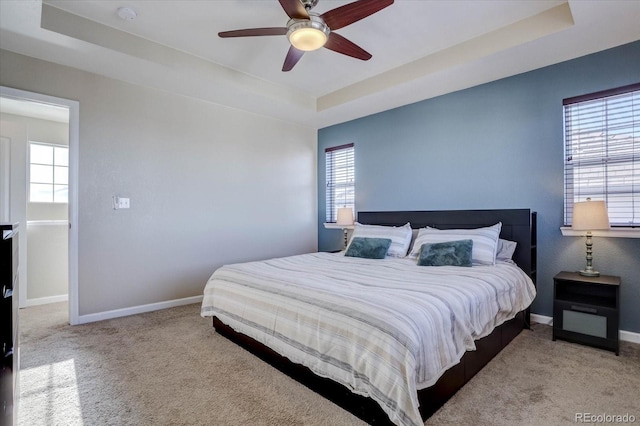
[(120, 203), (123, 203)]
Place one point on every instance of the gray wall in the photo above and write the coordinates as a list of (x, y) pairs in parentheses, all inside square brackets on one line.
[(208, 185), (498, 145)]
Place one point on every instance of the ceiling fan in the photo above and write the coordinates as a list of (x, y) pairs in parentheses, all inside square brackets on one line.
[(307, 30)]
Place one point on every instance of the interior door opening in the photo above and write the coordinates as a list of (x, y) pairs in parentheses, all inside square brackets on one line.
[(39, 192)]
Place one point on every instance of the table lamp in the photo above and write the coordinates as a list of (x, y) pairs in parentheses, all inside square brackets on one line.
[(590, 216)]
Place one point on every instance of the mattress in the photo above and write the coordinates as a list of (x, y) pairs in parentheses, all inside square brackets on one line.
[(383, 328)]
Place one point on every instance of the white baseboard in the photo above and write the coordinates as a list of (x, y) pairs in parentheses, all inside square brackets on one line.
[(627, 336), (117, 313), (542, 319), (45, 300)]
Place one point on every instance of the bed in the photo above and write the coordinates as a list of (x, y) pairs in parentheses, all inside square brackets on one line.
[(386, 339)]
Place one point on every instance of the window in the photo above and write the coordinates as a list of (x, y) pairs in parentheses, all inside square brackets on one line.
[(602, 153), (340, 179), (48, 173)]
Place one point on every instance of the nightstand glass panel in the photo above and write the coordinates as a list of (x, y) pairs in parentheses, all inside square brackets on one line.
[(593, 325)]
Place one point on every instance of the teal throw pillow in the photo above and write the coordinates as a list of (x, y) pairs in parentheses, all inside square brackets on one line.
[(450, 253), (369, 248)]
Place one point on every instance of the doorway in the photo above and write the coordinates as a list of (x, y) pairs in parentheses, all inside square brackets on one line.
[(41, 133)]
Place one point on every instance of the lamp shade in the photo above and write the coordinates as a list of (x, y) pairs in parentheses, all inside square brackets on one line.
[(345, 216), (590, 215)]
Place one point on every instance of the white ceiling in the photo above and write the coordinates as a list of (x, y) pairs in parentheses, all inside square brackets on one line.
[(420, 48)]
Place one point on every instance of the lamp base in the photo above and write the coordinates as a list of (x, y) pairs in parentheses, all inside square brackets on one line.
[(589, 273)]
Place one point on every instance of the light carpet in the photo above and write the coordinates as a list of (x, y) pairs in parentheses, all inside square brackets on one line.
[(170, 368)]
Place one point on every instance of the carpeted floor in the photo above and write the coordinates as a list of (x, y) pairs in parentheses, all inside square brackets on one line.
[(170, 368), (535, 381)]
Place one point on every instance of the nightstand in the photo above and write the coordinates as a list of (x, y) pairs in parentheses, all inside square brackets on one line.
[(586, 310)]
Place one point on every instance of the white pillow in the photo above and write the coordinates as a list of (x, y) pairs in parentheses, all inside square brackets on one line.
[(485, 241), (506, 249), (400, 236)]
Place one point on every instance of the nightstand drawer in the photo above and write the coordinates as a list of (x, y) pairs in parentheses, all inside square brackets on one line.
[(586, 319), (580, 322)]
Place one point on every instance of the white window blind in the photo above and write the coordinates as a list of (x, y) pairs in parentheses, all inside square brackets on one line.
[(340, 191), (602, 153)]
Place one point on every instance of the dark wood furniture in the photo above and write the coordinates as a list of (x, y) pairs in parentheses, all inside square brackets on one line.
[(587, 310), (517, 225), (9, 323)]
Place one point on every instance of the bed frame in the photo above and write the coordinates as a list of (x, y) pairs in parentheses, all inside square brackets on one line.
[(517, 225)]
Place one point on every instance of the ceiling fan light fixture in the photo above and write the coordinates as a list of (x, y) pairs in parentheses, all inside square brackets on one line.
[(308, 35)]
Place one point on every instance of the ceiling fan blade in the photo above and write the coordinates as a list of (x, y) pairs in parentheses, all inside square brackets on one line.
[(293, 56), (349, 13), (339, 44), (253, 32), (294, 9)]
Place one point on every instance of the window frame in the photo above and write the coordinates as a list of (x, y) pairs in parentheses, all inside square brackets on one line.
[(605, 144), (343, 153), (54, 164)]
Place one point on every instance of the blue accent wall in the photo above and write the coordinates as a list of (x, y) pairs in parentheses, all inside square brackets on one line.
[(497, 145)]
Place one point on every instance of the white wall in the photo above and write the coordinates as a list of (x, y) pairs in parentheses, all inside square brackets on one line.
[(208, 186), (47, 262)]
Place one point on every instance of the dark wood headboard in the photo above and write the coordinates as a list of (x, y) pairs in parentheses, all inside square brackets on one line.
[(518, 225)]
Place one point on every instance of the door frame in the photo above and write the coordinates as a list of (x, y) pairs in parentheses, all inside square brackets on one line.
[(74, 142), (5, 164)]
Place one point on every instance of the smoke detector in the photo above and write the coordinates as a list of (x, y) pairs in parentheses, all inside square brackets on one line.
[(127, 13)]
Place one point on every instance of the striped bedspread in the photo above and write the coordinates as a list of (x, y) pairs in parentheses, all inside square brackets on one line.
[(383, 328)]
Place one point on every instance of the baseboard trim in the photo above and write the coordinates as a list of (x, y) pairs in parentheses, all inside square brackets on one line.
[(542, 319), (45, 300), (117, 313), (627, 336)]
